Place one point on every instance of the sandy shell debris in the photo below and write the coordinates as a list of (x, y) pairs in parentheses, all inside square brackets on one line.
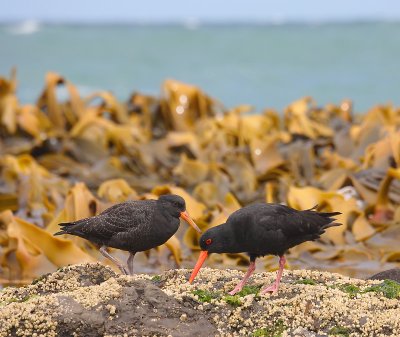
[(92, 300)]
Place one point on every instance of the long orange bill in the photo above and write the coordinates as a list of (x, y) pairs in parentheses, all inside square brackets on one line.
[(185, 216), (199, 263)]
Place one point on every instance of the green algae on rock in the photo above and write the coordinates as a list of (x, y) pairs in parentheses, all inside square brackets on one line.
[(204, 295), (274, 330), (389, 288), (306, 281)]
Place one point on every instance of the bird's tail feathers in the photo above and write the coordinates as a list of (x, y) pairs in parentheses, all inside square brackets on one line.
[(328, 225), (329, 214), (69, 228), (323, 220), (324, 214), (64, 228), (332, 224)]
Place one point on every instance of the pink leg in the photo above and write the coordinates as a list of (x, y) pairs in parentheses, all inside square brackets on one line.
[(252, 268), (275, 286)]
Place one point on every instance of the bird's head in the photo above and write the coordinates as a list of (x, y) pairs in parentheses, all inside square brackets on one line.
[(214, 240), (176, 206)]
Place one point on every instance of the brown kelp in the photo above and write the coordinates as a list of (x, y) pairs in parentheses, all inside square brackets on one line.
[(62, 160)]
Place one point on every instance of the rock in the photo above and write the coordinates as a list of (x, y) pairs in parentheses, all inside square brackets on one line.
[(119, 306), (391, 274), (303, 332), (91, 300)]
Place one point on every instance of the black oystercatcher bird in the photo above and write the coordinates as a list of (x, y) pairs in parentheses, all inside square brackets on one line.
[(263, 229), (133, 226)]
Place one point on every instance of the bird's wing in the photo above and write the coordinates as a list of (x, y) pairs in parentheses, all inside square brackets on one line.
[(298, 223), (274, 228), (121, 218), (274, 234)]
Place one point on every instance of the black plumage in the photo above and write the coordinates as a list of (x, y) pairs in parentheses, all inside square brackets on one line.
[(265, 229), (133, 226)]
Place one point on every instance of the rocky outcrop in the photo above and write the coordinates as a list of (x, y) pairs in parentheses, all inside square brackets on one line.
[(91, 300)]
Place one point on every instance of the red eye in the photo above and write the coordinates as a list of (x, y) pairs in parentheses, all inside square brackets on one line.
[(208, 242)]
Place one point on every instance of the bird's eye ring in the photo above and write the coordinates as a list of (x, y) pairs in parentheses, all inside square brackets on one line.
[(208, 241)]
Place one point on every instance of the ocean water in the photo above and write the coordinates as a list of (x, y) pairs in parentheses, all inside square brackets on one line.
[(262, 65)]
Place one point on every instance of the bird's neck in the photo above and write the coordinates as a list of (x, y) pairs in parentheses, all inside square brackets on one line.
[(171, 223)]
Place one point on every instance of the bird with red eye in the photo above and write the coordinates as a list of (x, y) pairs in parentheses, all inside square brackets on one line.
[(263, 229)]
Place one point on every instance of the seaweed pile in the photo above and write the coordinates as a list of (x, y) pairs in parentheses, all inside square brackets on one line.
[(67, 157)]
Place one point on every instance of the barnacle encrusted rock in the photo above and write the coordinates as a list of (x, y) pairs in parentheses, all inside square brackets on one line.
[(91, 300)]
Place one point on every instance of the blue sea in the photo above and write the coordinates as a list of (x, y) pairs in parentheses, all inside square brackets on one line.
[(262, 65)]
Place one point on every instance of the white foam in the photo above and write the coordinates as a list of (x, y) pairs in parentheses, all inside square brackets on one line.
[(25, 28), (191, 23)]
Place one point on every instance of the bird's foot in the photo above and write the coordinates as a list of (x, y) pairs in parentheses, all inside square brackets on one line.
[(273, 288), (236, 290), (241, 284)]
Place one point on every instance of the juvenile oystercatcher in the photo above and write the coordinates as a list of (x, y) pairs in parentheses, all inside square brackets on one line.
[(263, 229), (133, 226)]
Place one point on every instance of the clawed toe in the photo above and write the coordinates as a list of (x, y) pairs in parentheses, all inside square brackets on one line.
[(271, 289), (234, 291)]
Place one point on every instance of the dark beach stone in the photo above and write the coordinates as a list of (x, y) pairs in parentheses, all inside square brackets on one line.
[(140, 306), (391, 274)]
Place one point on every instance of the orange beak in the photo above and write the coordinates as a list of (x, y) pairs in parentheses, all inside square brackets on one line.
[(199, 263), (185, 216)]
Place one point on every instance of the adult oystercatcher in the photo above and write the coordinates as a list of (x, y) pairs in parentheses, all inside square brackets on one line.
[(263, 229), (133, 226)]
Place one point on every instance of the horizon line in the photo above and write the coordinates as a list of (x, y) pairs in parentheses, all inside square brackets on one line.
[(199, 22)]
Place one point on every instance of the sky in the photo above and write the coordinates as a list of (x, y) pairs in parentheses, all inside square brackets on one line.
[(202, 10)]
